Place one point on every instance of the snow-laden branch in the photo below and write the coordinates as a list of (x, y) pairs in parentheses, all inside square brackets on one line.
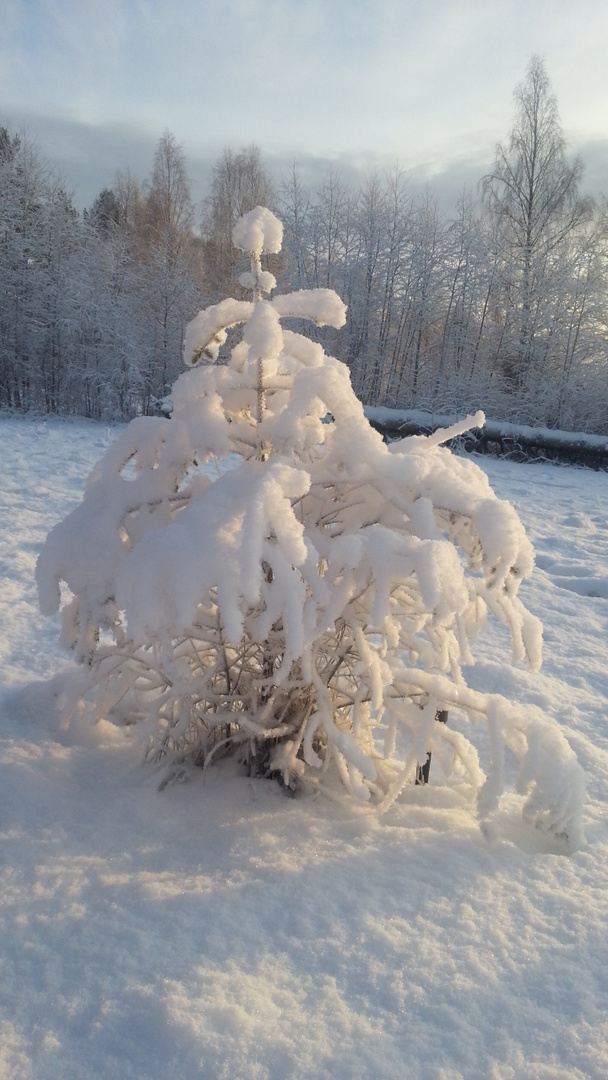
[(318, 602)]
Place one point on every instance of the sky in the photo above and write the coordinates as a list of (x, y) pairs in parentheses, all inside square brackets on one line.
[(358, 83)]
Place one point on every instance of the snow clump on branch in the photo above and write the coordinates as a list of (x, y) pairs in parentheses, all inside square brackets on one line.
[(313, 606)]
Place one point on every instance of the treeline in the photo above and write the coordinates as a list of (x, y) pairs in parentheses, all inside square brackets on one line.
[(92, 308), (501, 305)]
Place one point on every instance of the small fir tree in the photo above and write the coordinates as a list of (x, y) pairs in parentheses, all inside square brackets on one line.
[(315, 603)]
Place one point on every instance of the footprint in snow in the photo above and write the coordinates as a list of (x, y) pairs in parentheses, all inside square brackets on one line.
[(592, 587), (565, 570), (579, 521), (574, 577)]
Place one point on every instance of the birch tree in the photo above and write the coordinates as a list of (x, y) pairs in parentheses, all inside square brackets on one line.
[(533, 191)]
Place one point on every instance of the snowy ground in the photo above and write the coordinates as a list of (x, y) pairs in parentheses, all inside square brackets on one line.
[(221, 930)]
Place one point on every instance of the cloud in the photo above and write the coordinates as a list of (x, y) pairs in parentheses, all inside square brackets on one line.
[(389, 76), (359, 83), (594, 155), (88, 156)]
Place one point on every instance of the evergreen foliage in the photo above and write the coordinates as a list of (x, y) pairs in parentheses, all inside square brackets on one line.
[(314, 606)]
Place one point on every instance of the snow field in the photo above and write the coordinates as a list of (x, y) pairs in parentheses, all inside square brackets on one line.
[(221, 930)]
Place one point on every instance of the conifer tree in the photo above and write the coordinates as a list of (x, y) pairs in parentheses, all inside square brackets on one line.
[(313, 606)]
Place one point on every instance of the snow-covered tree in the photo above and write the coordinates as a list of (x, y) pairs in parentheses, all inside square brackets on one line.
[(314, 605), (533, 192)]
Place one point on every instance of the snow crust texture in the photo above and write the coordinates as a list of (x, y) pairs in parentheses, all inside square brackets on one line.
[(317, 603)]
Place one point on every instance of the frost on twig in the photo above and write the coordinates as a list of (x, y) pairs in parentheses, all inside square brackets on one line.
[(313, 606)]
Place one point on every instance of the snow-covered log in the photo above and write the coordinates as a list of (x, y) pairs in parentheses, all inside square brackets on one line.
[(516, 441)]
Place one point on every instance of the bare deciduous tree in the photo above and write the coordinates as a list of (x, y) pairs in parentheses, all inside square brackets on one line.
[(239, 183), (533, 191)]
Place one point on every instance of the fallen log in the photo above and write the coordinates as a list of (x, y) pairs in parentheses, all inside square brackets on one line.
[(501, 439)]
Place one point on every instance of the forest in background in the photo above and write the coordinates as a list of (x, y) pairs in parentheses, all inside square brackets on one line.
[(500, 305)]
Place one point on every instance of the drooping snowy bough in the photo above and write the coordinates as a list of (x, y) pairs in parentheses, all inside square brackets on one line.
[(315, 603)]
